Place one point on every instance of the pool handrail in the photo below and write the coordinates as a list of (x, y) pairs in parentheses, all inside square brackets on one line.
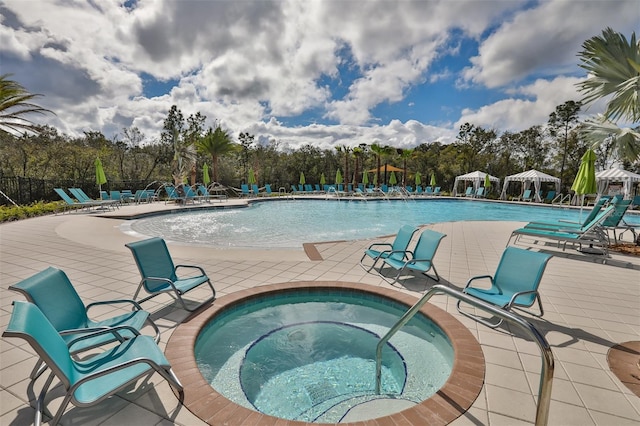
[(546, 373)]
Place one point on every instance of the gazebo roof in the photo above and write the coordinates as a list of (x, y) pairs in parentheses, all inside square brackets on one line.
[(533, 175)]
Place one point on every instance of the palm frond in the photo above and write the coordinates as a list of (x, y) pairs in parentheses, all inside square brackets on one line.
[(15, 105), (613, 65), (626, 140)]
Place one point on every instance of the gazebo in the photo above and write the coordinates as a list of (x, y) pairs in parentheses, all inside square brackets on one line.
[(527, 178), (476, 178), (605, 177)]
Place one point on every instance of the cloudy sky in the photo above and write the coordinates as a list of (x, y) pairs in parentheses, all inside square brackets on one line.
[(330, 72)]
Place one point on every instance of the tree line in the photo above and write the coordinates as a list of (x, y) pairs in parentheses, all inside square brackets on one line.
[(184, 146)]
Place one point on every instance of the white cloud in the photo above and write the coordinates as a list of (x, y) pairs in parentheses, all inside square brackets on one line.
[(516, 114), (544, 40), (246, 64)]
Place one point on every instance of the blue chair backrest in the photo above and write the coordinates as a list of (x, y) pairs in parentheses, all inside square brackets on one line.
[(620, 208), (427, 244), (480, 191), (104, 195), (79, 194), (436, 190), (317, 187), (469, 190), (153, 260), (340, 187), (29, 323), (203, 190), (255, 189), (595, 210), (526, 194), (520, 270), (267, 188), (64, 196), (245, 188), (402, 240), (56, 297), (384, 188), (550, 195), (419, 189), (115, 195)]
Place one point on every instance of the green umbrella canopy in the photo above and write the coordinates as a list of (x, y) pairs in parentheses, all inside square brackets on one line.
[(487, 181), (418, 178), (375, 179), (392, 178), (302, 179), (585, 182), (338, 177), (323, 180), (365, 178), (252, 177), (205, 174), (100, 176), (433, 179)]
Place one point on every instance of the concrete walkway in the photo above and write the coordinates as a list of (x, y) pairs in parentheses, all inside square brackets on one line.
[(589, 307)]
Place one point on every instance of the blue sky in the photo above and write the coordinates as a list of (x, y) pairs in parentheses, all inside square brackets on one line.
[(300, 72)]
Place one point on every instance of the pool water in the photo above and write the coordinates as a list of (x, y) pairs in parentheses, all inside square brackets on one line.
[(311, 356), (289, 224)]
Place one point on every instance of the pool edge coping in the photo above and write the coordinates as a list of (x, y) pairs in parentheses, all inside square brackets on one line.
[(450, 402)]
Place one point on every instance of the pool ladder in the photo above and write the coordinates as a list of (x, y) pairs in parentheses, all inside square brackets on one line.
[(546, 373)]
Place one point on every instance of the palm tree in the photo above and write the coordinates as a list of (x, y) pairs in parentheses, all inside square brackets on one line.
[(15, 105), (613, 65), (378, 150), (405, 154), (216, 143)]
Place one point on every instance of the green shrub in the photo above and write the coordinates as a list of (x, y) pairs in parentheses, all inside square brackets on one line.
[(10, 213)]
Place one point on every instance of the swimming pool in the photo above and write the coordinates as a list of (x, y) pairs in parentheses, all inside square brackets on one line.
[(310, 355), (289, 224)]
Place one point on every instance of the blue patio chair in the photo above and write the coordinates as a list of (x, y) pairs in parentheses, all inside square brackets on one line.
[(160, 275), (70, 202), (635, 202), (616, 221), (245, 192), (419, 259), (525, 196), (591, 233), (84, 198), (255, 189), (267, 190), (564, 224), (550, 196), (479, 192), (514, 284), (86, 382), (436, 190), (52, 291), (469, 191), (397, 249)]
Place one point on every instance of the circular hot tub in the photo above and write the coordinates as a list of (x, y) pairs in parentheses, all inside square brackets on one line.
[(304, 352)]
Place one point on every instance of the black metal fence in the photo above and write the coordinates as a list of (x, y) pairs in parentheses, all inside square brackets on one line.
[(25, 191)]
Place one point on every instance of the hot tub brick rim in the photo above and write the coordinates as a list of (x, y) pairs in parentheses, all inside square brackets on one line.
[(469, 350)]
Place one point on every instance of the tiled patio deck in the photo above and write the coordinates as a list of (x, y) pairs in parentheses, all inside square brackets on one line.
[(589, 308)]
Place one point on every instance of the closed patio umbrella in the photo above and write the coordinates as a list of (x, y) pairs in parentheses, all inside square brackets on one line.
[(487, 181), (323, 180), (100, 176), (365, 178), (432, 182), (585, 181), (206, 180), (418, 179), (338, 177), (252, 177), (302, 179), (392, 179)]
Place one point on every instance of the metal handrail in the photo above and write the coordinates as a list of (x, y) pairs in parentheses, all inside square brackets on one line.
[(546, 373)]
